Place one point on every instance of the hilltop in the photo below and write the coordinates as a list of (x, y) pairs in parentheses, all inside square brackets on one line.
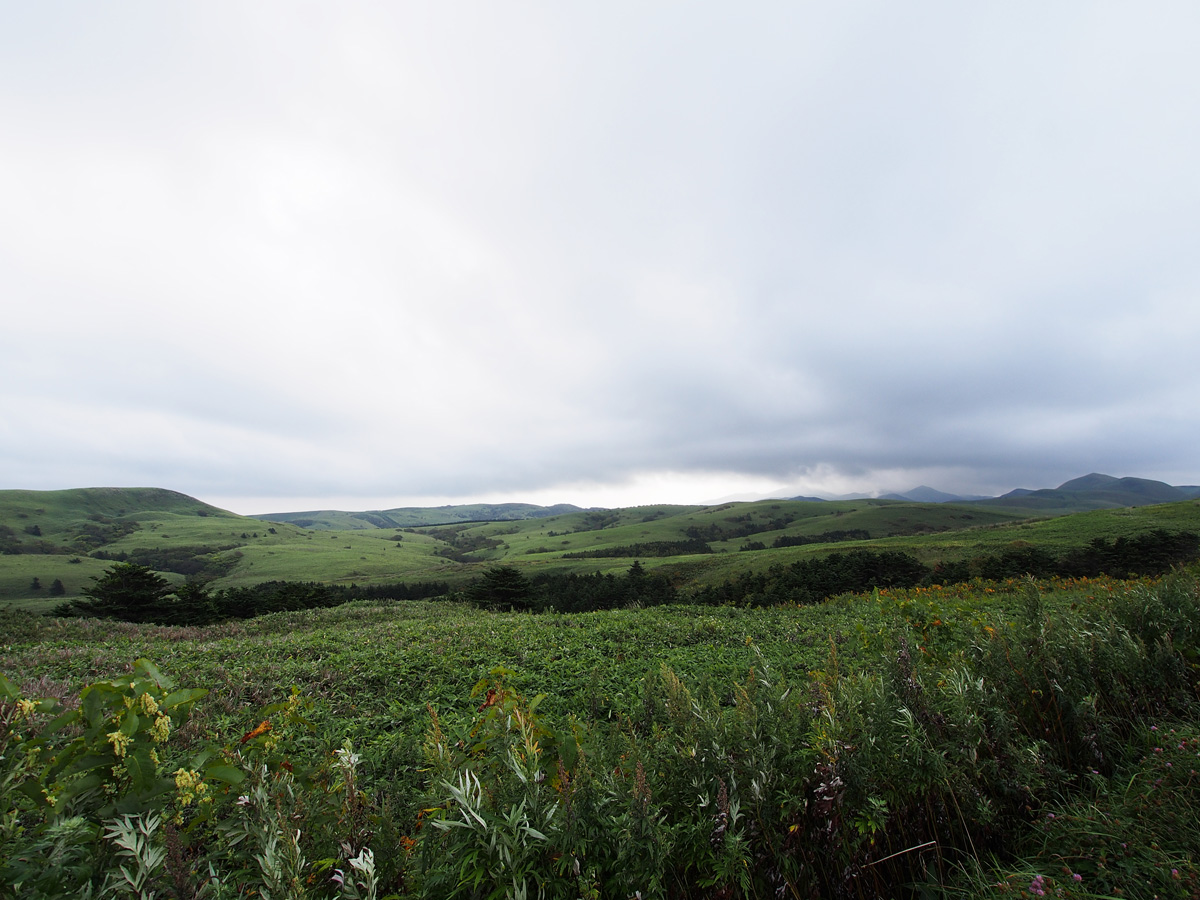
[(1096, 491), (410, 516), (53, 543), (1093, 491)]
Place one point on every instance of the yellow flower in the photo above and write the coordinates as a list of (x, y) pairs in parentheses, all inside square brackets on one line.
[(26, 708), (190, 786), (161, 729), (119, 742), (149, 704)]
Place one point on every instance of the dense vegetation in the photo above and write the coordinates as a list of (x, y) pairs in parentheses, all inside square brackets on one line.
[(828, 716), (962, 741), (130, 592), (72, 537)]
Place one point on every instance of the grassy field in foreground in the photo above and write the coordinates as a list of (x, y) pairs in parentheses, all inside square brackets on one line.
[(859, 747)]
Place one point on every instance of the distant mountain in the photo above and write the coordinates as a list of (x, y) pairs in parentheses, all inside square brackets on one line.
[(1095, 491), (926, 494), (414, 516)]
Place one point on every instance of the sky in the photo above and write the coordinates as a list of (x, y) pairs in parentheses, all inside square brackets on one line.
[(284, 256)]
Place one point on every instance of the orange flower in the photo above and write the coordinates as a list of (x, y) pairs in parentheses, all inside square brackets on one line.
[(262, 729)]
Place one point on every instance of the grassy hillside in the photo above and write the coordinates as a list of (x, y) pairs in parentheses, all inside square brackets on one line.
[(72, 536), (408, 516), (1094, 491)]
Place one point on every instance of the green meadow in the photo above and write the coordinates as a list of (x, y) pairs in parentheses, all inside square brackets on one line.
[(1010, 737), (80, 532), (956, 741)]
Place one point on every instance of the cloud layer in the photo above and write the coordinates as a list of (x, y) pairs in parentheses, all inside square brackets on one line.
[(280, 255)]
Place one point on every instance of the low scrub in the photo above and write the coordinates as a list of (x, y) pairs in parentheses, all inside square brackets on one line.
[(1004, 739)]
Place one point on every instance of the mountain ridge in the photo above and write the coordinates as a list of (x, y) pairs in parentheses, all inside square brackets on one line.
[(1092, 491)]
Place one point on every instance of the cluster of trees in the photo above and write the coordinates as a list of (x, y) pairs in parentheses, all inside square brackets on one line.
[(57, 588), (812, 580), (648, 548), (1153, 553), (505, 587), (461, 545), (197, 563), (742, 526), (101, 530), (800, 540), (12, 544), (135, 593)]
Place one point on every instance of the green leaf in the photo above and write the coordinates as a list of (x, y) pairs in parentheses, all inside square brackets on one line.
[(92, 761), (69, 717), (227, 774), (129, 725), (181, 697), (142, 772), (33, 790), (81, 786), (8, 690), (91, 703), (149, 670)]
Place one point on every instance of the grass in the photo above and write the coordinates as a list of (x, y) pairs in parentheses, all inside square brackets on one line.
[(137, 519), (864, 727)]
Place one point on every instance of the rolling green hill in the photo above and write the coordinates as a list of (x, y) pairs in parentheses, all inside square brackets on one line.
[(60, 540), (409, 516), (1094, 491)]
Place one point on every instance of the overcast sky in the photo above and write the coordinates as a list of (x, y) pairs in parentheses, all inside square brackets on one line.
[(285, 256)]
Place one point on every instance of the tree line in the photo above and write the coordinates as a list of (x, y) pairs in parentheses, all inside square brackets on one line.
[(135, 593), (507, 588)]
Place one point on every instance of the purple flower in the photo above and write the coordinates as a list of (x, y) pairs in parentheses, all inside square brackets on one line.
[(1077, 876)]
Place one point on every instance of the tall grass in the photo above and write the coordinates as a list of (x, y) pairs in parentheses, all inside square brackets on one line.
[(972, 744)]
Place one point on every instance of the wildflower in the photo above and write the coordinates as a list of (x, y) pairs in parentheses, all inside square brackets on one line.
[(346, 758), (149, 705), (190, 786), (1077, 876), (26, 708), (1038, 886), (161, 729), (119, 742)]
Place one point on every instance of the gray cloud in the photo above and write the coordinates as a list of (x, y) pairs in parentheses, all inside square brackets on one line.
[(292, 253)]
